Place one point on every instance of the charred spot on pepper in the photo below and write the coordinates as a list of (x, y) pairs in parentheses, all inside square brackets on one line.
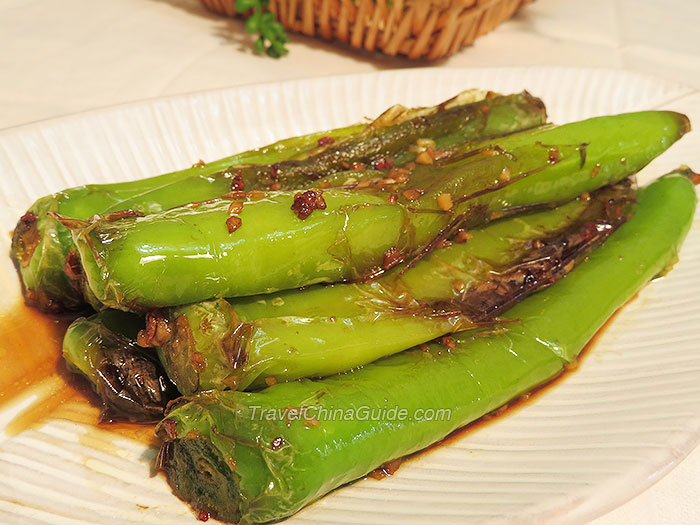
[(308, 201), (73, 269), (42, 301), (157, 332), (181, 346), (132, 384), (206, 326), (582, 153), (199, 362), (549, 259), (530, 278), (25, 239), (213, 482), (28, 218)]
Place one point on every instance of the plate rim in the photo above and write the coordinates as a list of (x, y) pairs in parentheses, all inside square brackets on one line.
[(134, 104), (685, 442)]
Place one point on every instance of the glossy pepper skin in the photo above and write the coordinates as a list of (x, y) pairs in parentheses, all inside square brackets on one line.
[(191, 254), (328, 329), (445, 125), (324, 330), (249, 458), (41, 245)]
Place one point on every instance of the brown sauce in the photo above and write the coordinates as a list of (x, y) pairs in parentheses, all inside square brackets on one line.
[(30, 350), (530, 397), (509, 408), (30, 353)]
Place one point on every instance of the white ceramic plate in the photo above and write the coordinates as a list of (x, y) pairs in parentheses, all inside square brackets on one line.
[(626, 417)]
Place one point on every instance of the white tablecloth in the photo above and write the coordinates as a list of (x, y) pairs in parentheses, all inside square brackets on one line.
[(66, 56)]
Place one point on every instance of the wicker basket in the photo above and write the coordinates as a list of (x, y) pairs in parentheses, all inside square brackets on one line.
[(427, 29)]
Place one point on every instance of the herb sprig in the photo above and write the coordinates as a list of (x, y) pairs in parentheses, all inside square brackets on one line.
[(271, 34)]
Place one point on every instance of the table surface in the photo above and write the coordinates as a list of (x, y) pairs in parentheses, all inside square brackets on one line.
[(74, 55)]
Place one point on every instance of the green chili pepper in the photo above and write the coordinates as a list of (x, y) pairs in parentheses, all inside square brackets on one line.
[(335, 328), (258, 457), (41, 245), (129, 380), (323, 330), (382, 146), (195, 253)]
